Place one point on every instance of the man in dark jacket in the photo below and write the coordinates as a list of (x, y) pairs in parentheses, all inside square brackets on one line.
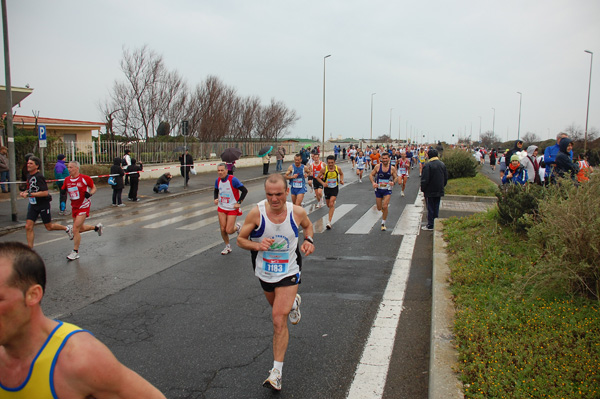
[(116, 171), (564, 166), (433, 180), (518, 147), (133, 171), (187, 163)]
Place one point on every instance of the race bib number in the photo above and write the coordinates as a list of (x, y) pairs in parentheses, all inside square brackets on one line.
[(297, 183), (374, 162), (73, 193), (331, 183), (384, 184), (225, 198), (275, 262), (32, 200), (402, 171)]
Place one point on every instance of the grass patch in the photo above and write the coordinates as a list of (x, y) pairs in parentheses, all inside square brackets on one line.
[(513, 344), (478, 185)]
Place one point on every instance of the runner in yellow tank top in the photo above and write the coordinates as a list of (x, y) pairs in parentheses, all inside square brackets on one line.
[(69, 362), (331, 178)]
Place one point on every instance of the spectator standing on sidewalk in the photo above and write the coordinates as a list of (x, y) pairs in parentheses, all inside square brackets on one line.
[(116, 171), (434, 177), (125, 163), (61, 172), (280, 156), (4, 169), (39, 201), (266, 162), (134, 176), (187, 163)]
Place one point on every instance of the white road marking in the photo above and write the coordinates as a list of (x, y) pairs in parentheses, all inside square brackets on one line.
[(366, 222), (340, 211), (410, 220), (371, 372)]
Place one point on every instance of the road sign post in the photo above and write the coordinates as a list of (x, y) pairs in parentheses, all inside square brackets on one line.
[(42, 142)]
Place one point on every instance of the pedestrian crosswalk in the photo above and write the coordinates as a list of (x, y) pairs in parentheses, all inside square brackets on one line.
[(198, 215)]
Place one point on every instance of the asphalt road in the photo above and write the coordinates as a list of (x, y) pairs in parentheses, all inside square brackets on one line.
[(195, 323)]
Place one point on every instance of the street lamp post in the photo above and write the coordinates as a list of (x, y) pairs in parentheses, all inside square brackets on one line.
[(324, 58), (520, 101), (391, 123), (494, 123), (480, 128), (371, 138), (588, 102)]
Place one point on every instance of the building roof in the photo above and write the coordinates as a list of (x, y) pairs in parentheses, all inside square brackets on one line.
[(18, 95), (30, 121)]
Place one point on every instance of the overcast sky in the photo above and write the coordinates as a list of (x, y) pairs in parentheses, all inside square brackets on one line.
[(439, 65)]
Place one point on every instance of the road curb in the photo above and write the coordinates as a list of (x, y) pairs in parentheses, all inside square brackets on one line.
[(443, 361)]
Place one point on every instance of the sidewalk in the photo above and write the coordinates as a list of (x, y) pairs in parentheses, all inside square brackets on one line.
[(103, 197)]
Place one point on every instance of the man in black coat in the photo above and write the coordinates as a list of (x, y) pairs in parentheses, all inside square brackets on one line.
[(187, 163), (433, 180)]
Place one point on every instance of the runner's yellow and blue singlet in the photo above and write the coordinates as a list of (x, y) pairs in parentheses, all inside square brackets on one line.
[(39, 383)]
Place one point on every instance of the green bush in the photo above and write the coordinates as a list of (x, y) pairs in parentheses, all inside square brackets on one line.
[(568, 235), (518, 205), (460, 163)]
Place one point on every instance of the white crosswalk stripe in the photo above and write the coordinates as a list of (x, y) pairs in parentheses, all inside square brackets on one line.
[(157, 211), (410, 221), (366, 222), (340, 211)]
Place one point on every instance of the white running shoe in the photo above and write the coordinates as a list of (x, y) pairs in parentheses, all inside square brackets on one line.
[(360, 180), (226, 250), (73, 255), (328, 226), (295, 314), (402, 193), (100, 228), (274, 380), (238, 226), (70, 231)]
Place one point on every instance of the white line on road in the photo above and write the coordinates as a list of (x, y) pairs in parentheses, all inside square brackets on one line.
[(371, 372), (366, 222)]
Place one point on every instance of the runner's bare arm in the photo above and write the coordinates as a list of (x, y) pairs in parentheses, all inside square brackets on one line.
[(288, 173), (243, 240), (87, 368), (341, 176), (394, 175), (372, 177), (300, 214)]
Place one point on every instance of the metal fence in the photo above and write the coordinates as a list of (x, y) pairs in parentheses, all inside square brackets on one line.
[(104, 152)]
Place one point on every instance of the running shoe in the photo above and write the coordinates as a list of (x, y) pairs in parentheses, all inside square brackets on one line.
[(73, 255), (360, 180), (226, 250), (295, 314), (328, 226), (100, 228), (427, 228), (69, 232), (402, 193), (383, 228), (121, 205), (274, 380), (238, 227)]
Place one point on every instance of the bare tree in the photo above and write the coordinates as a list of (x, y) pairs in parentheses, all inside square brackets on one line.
[(274, 120), (575, 132), (150, 94), (488, 139), (530, 137)]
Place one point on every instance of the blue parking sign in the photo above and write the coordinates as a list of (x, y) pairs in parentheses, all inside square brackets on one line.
[(42, 132)]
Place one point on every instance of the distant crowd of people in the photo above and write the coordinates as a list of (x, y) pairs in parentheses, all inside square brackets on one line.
[(518, 165)]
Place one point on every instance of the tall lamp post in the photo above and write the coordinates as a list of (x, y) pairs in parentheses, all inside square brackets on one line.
[(324, 58), (371, 138), (520, 101), (494, 122), (479, 128), (588, 102), (391, 123)]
